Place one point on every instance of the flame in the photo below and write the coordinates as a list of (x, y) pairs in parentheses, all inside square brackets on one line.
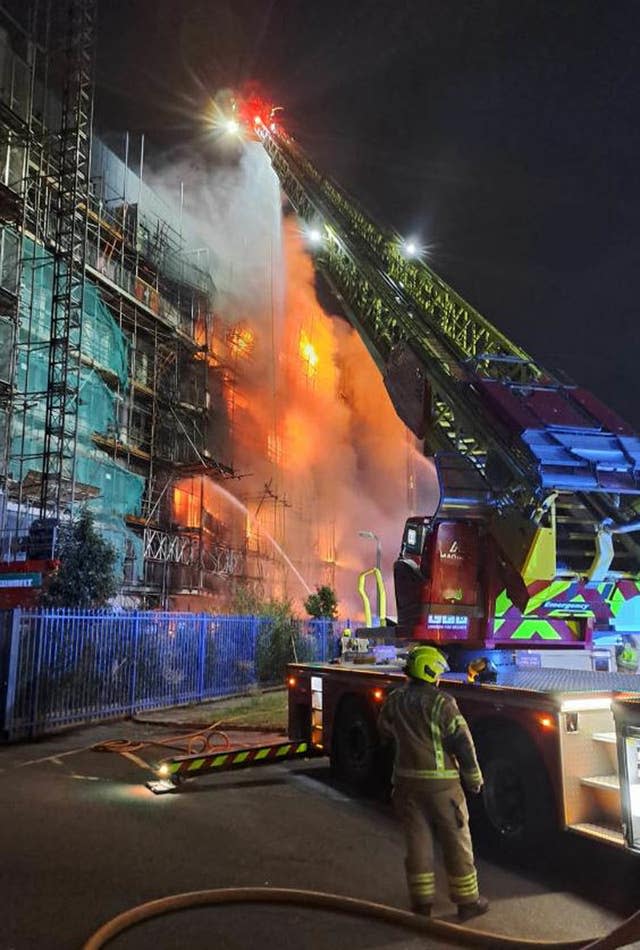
[(316, 440), (241, 339), (318, 428), (201, 325), (309, 355), (187, 503)]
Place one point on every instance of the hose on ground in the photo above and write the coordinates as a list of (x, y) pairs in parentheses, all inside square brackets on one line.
[(200, 742), (620, 936)]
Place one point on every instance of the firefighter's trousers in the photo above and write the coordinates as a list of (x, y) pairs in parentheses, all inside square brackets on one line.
[(436, 808)]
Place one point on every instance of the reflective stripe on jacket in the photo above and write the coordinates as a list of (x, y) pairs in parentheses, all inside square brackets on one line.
[(431, 736)]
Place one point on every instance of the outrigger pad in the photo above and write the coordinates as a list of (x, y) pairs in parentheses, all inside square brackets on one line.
[(162, 786)]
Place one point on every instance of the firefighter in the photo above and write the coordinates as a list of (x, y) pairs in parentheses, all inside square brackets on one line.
[(627, 655), (433, 750)]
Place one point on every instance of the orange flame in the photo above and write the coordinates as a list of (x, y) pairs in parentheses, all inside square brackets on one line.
[(320, 449), (308, 354), (241, 340), (187, 503)]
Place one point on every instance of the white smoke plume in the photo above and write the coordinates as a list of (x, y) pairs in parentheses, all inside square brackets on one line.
[(312, 422)]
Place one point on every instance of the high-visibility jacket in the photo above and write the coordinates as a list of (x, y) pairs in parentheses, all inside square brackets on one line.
[(627, 658), (432, 738)]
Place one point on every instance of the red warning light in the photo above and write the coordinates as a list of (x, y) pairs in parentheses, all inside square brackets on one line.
[(255, 112)]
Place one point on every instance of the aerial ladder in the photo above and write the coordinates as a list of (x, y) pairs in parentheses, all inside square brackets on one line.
[(533, 545), (536, 533)]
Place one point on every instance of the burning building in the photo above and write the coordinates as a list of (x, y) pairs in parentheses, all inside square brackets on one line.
[(166, 363)]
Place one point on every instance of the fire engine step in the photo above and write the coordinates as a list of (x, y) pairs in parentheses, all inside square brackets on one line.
[(609, 782), (603, 832), (172, 772)]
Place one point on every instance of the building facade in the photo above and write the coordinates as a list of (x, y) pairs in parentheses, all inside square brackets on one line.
[(107, 329)]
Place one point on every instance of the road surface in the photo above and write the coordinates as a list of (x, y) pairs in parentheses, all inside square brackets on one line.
[(82, 839)]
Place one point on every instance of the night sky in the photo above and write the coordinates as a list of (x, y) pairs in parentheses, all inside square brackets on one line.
[(503, 133)]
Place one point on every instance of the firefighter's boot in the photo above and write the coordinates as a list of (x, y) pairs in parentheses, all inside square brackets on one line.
[(467, 911)]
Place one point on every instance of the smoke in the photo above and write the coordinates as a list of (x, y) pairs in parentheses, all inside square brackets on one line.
[(234, 210), (348, 448), (312, 427)]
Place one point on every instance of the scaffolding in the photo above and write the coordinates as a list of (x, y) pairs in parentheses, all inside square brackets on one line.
[(69, 251), (106, 326)]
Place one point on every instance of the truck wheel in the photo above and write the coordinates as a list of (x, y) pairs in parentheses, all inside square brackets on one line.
[(355, 746), (516, 812)]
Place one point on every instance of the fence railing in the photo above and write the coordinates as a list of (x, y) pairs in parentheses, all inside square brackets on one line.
[(59, 667)]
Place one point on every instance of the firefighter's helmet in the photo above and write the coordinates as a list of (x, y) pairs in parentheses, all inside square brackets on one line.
[(426, 663)]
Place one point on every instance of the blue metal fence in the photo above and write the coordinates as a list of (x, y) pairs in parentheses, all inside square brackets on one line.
[(60, 667)]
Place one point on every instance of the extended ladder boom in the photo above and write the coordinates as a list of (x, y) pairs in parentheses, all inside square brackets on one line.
[(547, 450)]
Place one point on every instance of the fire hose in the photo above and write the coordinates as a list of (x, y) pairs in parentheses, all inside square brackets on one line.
[(203, 740), (200, 742), (620, 936)]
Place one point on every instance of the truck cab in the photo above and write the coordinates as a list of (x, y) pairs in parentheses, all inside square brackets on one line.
[(441, 580)]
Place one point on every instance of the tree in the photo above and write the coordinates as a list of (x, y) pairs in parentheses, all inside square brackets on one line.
[(323, 604), (86, 577)]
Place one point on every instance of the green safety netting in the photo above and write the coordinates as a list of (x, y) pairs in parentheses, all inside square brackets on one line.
[(105, 350)]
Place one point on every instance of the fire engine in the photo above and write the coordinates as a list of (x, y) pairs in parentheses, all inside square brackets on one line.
[(528, 561)]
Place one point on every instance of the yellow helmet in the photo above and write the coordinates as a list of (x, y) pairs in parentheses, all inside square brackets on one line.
[(426, 663)]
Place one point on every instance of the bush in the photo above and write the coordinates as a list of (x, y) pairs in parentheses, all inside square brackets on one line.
[(276, 639), (282, 637), (86, 576), (323, 605)]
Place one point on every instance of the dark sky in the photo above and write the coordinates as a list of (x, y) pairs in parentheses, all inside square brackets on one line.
[(505, 133)]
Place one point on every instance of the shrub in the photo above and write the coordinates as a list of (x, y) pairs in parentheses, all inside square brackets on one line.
[(86, 576), (281, 640), (323, 605)]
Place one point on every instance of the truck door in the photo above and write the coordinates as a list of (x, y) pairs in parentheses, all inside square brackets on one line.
[(437, 580)]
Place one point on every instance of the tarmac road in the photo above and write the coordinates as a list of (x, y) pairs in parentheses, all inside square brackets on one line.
[(82, 839)]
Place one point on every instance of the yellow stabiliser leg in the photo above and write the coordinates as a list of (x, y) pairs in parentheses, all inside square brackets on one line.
[(173, 771)]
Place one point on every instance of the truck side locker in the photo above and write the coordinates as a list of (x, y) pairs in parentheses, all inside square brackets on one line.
[(591, 781), (627, 719)]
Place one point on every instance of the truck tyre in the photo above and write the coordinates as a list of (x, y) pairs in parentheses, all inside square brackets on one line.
[(516, 811), (354, 755)]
